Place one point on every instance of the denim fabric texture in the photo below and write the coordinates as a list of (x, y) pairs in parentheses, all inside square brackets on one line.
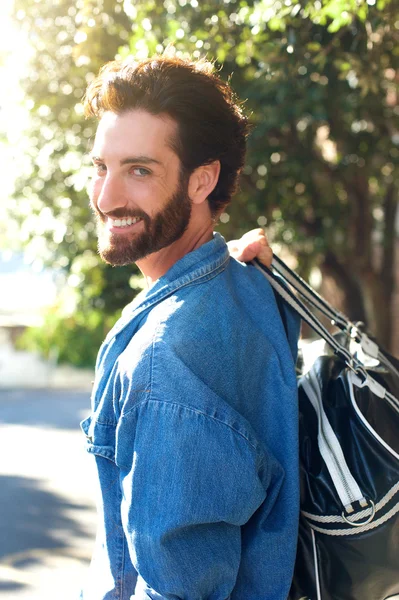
[(194, 432)]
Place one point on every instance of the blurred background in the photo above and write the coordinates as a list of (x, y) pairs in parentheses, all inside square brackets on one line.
[(319, 80)]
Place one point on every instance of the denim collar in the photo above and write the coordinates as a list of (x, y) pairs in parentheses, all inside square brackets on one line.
[(199, 265)]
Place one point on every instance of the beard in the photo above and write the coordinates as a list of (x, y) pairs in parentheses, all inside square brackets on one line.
[(160, 230)]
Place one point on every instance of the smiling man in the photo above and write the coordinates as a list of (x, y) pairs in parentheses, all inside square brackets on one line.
[(194, 411), (159, 219)]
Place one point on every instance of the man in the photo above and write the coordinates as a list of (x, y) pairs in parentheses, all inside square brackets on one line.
[(194, 412)]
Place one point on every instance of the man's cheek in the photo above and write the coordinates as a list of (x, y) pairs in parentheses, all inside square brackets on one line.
[(93, 191)]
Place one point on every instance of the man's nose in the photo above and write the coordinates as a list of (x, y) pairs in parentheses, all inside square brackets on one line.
[(110, 195)]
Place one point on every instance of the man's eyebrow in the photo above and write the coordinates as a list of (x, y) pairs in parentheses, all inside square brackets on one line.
[(140, 159), (146, 160)]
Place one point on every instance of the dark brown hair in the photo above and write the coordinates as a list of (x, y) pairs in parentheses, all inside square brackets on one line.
[(211, 124)]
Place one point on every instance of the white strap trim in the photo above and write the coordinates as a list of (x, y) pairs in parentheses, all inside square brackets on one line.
[(376, 388), (353, 379), (316, 565), (358, 516), (355, 530)]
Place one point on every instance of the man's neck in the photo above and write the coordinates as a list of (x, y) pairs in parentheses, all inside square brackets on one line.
[(155, 265)]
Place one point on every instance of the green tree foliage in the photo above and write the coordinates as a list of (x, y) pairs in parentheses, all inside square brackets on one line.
[(318, 79), (322, 168), (51, 200)]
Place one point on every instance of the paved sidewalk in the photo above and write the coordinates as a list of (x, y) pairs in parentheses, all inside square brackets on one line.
[(47, 489)]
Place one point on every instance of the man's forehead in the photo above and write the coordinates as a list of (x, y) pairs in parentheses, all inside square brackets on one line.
[(136, 130)]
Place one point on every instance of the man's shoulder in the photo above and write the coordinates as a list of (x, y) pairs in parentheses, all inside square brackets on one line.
[(238, 296), (231, 310), (233, 289)]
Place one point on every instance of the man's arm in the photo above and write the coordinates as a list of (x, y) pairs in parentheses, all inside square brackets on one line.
[(192, 483)]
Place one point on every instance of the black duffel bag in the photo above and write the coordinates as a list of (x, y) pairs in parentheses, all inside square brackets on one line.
[(348, 546)]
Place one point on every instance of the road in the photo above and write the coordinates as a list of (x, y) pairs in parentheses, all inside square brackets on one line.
[(47, 490)]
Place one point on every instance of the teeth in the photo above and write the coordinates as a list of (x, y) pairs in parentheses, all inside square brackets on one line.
[(125, 222)]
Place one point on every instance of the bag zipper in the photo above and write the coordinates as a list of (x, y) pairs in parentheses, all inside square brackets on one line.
[(330, 449)]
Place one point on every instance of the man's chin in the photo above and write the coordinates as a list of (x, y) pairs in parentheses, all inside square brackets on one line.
[(119, 252), (120, 255), (116, 258), (116, 261)]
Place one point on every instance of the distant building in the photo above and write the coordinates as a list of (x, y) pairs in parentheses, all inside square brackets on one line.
[(24, 294)]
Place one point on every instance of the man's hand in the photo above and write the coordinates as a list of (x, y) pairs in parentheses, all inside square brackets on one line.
[(252, 244)]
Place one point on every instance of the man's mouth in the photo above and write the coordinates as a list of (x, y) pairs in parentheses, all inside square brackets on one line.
[(121, 223)]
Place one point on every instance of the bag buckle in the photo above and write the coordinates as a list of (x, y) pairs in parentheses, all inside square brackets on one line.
[(361, 523), (357, 370)]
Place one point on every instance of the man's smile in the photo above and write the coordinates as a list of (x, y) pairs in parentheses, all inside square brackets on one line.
[(127, 223)]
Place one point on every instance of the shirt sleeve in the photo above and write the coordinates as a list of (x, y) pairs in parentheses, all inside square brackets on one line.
[(189, 482)]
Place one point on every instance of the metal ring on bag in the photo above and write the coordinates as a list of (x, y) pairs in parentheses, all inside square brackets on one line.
[(361, 523)]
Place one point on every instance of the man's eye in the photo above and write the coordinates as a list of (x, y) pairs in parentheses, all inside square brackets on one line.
[(99, 168), (140, 171)]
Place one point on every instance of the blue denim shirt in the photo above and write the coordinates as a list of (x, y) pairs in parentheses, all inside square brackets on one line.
[(194, 433)]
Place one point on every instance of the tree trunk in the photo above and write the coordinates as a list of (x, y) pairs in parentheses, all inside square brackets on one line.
[(379, 305), (346, 280)]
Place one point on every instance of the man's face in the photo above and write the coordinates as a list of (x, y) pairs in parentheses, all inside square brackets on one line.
[(138, 194)]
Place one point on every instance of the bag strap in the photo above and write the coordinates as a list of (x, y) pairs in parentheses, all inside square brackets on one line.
[(308, 293), (353, 501), (281, 287), (303, 311), (337, 318), (280, 306)]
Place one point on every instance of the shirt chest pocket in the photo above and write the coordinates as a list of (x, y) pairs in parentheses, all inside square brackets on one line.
[(100, 437)]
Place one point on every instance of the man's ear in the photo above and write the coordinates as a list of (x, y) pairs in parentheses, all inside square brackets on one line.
[(203, 181)]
